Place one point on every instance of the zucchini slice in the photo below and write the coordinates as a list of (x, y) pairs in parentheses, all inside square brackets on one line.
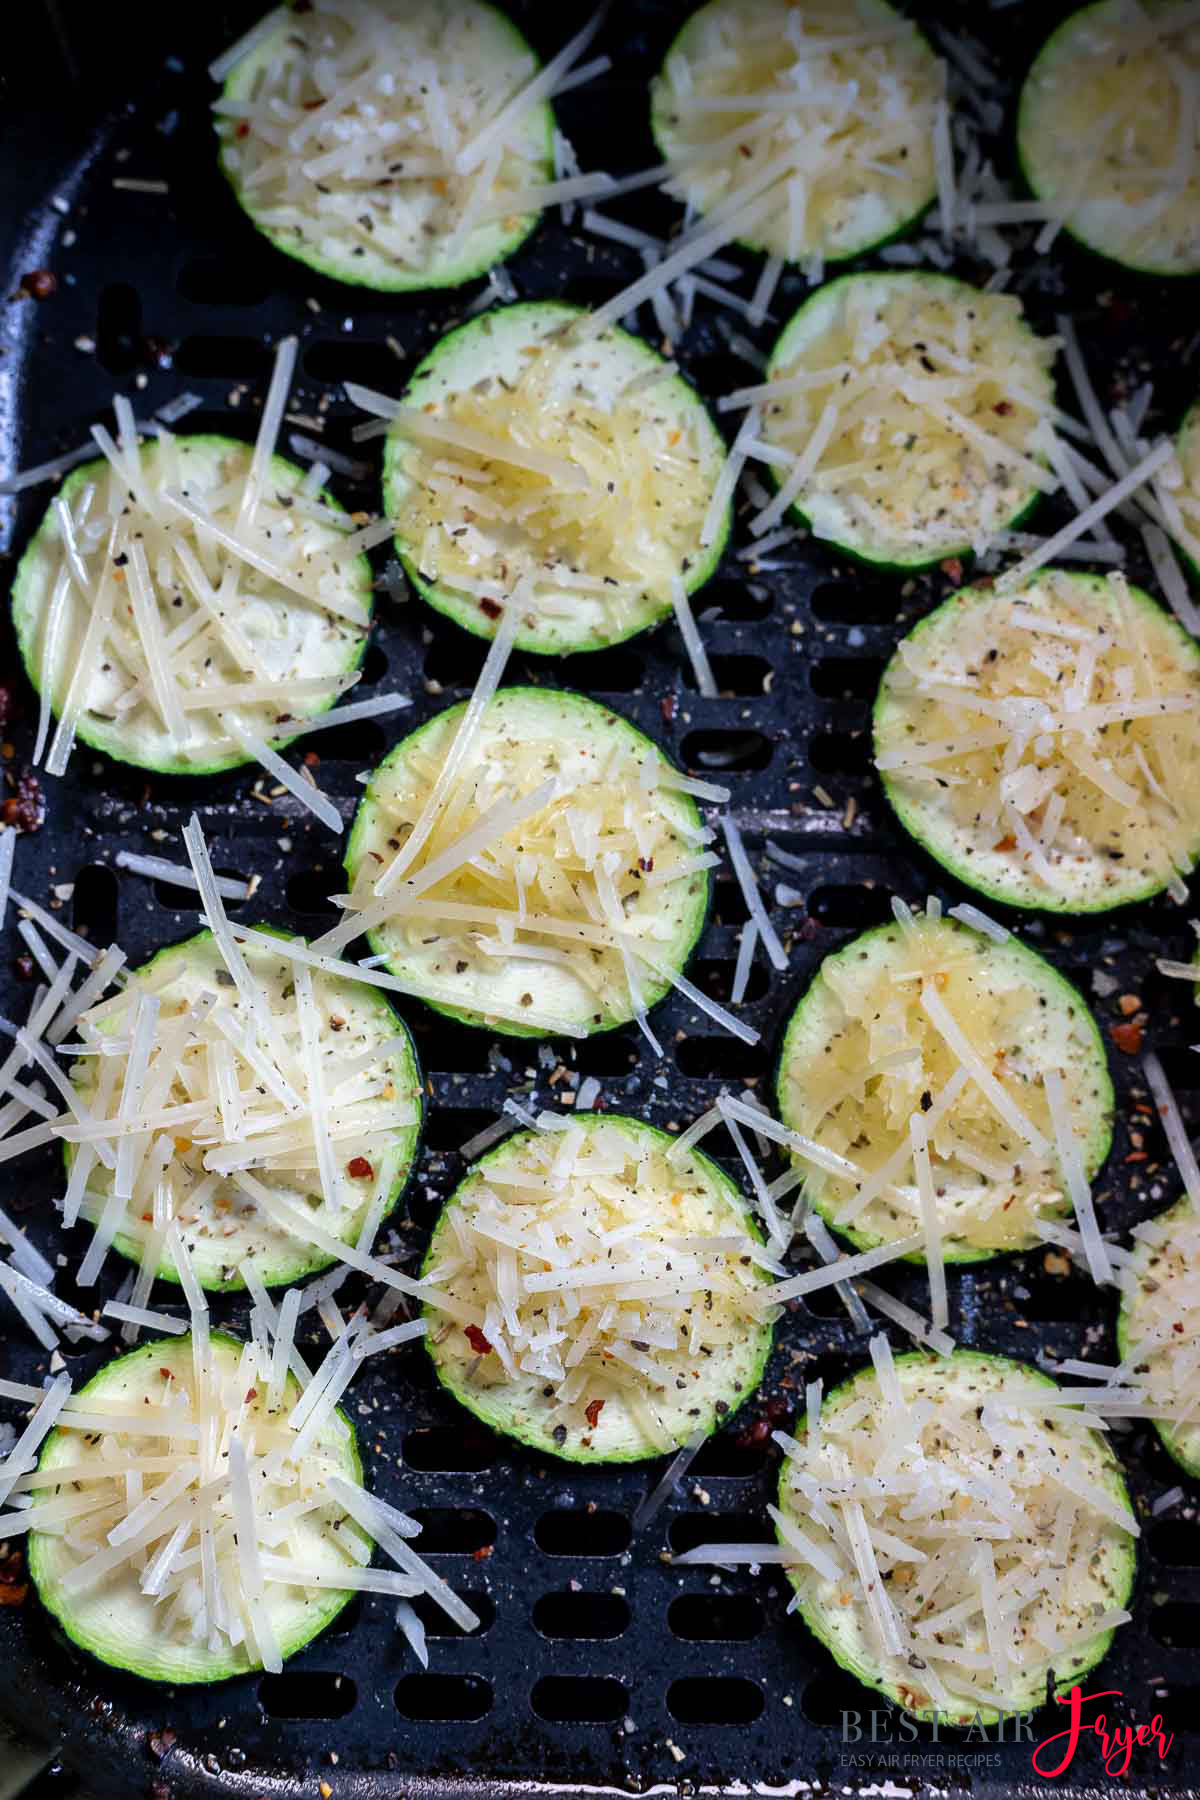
[(342, 133), (1160, 1311), (952, 1439), (909, 407), (574, 918), (370, 1101), (862, 1056), (636, 1332), (580, 471), (167, 615), (1108, 134), (162, 1636), (1031, 742), (862, 81)]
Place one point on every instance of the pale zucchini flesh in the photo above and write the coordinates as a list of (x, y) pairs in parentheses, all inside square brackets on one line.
[(867, 106), (1160, 1308), (673, 1393), (411, 81), (293, 639), (555, 981), (1108, 132), (923, 397), (838, 1082), (226, 1230), (113, 1620), (1100, 1557), (589, 555), (1123, 827)]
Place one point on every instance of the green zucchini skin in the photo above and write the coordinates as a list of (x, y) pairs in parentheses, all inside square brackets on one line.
[(525, 1429), (26, 602), (463, 342), (1143, 1262), (886, 562), (349, 270), (1019, 890), (314, 1261), (610, 1019), (1042, 975), (105, 1641), (984, 1367), (1057, 46), (659, 88)]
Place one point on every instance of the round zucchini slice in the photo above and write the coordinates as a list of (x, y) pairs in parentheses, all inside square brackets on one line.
[(570, 475), (865, 85), (588, 1314), (578, 916), (169, 616), (212, 1068), (1159, 1324), (1108, 136), (1031, 740), (952, 1440), (868, 1049), (121, 1615), (911, 404), (343, 134)]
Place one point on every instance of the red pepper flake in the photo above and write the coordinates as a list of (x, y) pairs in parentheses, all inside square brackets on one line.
[(359, 1168), (953, 568), (39, 284), (592, 1411), (13, 1585), (477, 1341), (483, 1552), (243, 129), (252, 1394), (490, 608), (1005, 843), (311, 760), (25, 807), (1003, 407), (1128, 1036), (666, 707)]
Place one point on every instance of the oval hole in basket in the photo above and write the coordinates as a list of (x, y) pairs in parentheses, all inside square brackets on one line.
[(362, 743), (570, 1531), (719, 1058), (307, 1694), (829, 1696), (579, 1699), (375, 665), (448, 1450), (728, 901), (715, 1618), (444, 1044), (1176, 1625), (716, 978), (1176, 1542), (224, 356), (1180, 1708), (580, 1615), (94, 905), (855, 602), (450, 1127), (615, 671), (609, 1052), (715, 1700), (845, 677), (435, 1696), (438, 1625), (850, 905), (345, 359), (118, 328), (688, 1530), (841, 752), (308, 892), (216, 281), (733, 752), (454, 1530), (722, 1457), (734, 600), (734, 674)]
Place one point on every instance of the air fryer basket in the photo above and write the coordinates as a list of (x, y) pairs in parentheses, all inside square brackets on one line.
[(597, 1665)]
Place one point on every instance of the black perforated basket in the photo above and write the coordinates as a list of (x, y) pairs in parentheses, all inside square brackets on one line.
[(597, 1665)]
